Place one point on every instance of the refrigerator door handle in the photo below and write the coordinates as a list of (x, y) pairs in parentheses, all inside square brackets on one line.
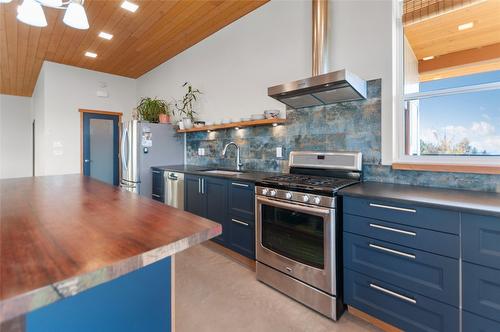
[(124, 135)]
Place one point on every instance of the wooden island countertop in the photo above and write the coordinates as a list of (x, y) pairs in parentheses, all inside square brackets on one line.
[(61, 235)]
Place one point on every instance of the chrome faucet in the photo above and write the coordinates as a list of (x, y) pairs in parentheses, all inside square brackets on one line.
[(238, 160)]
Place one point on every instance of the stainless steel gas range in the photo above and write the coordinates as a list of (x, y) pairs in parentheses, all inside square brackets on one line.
[(298, 228)]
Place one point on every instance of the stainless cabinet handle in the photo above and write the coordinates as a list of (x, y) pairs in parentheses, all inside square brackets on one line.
[(155, 195), (203, 186), (395, 230), (392, 208), (240, 184), (199, 186), (156, 172), (240, 222), (389, 292), (392, 251)]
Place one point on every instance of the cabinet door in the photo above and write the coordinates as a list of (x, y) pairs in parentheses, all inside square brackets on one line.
[(242, 236), (158, 187), (194, 200), (481, 239), (214, 191), (242, 199)]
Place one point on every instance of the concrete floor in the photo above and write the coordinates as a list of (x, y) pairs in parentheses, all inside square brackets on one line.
[(215, 293)]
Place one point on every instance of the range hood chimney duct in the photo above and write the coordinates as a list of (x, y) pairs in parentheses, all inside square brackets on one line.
[(323, 88), (320, 37)]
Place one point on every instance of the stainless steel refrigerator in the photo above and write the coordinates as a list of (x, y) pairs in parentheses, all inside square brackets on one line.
[(144, 145)]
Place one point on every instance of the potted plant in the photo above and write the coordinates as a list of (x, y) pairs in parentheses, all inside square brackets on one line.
[(154, 110), (185, 106)]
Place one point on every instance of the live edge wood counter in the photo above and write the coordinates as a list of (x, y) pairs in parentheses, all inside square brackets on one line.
[(61, 235)]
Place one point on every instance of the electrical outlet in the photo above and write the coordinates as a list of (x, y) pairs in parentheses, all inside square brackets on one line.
[(279, 152), (201, 151)]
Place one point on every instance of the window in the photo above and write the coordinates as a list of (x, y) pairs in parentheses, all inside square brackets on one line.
[(451, 99)]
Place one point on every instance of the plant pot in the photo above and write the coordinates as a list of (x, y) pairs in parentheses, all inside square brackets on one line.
[(181, 125), (163, 118), (188, 124)]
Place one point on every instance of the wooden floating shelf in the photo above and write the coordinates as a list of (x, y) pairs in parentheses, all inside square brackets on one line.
[(240, 124)]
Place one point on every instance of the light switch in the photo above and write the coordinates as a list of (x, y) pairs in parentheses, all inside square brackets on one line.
[(201, 151), (279, 152)]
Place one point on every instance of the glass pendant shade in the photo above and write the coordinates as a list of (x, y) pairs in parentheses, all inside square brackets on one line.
[(75, 16), (31, 12), (51, 3)]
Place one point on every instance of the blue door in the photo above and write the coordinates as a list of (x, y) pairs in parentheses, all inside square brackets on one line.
[(100, 147)]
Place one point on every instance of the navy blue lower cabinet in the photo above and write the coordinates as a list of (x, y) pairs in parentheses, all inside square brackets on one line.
[(194, 201), (418, 238), (404, 213), (241, 199), (475, 323), (428, 274), (215, 195), (397, 306), (136, 302), (481, 239), (242, 236), (481, 290)]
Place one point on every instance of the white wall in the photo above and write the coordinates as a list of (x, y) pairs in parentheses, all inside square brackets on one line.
[(235, 66), (15, 137), (272, 45), (66, 90), (38, 102)]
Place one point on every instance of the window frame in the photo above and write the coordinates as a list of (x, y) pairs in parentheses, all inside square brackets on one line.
[(472, 164)]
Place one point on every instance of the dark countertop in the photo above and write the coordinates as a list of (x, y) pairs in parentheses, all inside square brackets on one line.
[(61, 235), (462, 200), (247, 175)]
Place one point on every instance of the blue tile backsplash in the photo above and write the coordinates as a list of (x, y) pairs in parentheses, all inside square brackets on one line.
[(348, 126)]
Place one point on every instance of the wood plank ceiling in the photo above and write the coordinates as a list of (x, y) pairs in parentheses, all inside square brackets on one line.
[(156, 32), (456, 52)]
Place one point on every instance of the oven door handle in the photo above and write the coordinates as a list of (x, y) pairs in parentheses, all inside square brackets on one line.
[(295, 207)]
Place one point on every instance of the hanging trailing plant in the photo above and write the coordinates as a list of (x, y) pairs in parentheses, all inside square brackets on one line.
[(149, 109)]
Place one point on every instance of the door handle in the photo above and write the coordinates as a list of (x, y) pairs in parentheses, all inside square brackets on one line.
[(87, 160), (392, 251), (397, 295)]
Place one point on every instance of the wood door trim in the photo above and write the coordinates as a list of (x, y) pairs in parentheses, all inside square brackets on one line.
[(82, 111), (451, 168)]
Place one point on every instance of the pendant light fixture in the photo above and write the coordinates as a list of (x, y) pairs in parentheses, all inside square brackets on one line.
[(31, 12)]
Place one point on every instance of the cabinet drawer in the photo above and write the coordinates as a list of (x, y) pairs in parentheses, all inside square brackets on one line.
[(481, 239), (418, 238), (481, 290), (242, 236), (242, 199), (402, 213), (396, 306), (475, 323), (428, 274)]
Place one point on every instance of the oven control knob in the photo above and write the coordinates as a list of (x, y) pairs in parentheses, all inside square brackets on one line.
[(265, 191), (273, 193), (317, 200), (305, 198), (288, 195)]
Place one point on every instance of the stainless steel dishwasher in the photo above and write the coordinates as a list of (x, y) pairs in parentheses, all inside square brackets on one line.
[(174, 189)]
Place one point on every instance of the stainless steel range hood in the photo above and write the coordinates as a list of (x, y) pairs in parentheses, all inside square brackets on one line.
[(323, 88)]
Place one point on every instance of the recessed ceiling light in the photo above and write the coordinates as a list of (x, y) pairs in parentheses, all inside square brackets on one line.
[(105, 35), (131, 7), (91, 54), (428, 58), (466, 26)]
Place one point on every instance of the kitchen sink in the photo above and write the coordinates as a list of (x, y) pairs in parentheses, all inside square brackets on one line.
[(222, 172)]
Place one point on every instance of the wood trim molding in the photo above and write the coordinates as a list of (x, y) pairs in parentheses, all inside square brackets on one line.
[(372, 320), (83, 110), (245, 261), (452, 168)]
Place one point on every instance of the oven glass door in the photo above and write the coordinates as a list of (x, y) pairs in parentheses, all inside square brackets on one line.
[(293, 234)]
